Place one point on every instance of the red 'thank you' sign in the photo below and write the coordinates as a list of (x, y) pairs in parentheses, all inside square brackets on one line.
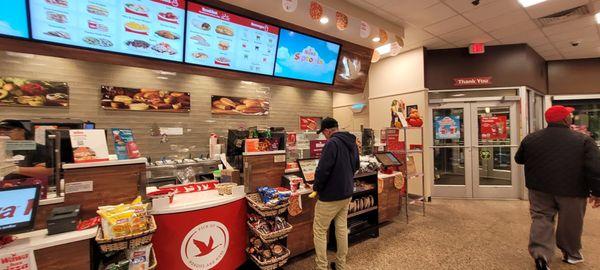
[(472, 81), (493, 127)]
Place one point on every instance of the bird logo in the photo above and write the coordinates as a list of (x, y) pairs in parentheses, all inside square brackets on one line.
[(204, 248)]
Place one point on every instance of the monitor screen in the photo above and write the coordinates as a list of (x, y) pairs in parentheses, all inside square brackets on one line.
[(13, 19), (388, 159), (306, 58), (150, 28), (18, 206), (224, 40)]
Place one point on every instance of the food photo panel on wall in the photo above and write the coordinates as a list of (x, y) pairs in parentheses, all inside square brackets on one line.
[(16, 91), (239, 106), (144, 99)]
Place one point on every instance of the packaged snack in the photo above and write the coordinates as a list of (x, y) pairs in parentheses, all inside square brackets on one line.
[(139, 258)]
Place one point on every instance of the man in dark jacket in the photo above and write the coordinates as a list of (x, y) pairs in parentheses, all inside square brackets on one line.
[(562, 170), (334, 184)]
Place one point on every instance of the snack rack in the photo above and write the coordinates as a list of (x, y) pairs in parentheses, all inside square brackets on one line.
[(268, 243)]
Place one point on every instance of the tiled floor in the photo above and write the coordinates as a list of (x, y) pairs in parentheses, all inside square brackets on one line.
[(461, 234)]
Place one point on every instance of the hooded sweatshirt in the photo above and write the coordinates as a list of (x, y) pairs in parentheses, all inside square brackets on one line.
[(334, 179)]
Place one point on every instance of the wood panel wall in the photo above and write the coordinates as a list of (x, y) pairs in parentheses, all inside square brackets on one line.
[(569, 77), (85, 79)]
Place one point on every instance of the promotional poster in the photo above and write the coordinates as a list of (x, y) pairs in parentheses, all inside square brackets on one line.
[(446, 127)]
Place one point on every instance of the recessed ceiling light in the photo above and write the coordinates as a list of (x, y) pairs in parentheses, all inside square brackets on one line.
[(376, 39), (598, 17), (324, 20), (384, 49), (528, 3)]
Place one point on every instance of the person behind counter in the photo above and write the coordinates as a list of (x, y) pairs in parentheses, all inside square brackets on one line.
[(334, 184), (33, 163)]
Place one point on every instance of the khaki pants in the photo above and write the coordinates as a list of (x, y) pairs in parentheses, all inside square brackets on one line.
[(325, 212), (543, 208)]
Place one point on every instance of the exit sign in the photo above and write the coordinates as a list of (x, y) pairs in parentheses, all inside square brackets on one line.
[(477, 48)]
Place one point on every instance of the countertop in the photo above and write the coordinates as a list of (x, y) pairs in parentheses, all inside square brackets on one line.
[(186, 202), (40, 239), (69, 166)]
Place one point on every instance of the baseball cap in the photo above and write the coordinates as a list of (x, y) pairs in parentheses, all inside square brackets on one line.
[(558, 113), (326, 123), (11, 124)]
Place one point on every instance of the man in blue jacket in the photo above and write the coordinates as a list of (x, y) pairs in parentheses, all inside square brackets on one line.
[(334, 183)]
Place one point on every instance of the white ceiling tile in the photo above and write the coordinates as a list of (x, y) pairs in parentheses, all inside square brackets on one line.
[(466, 33), (548, 47), (436, 43), (493, 43), (587, 43), (406, 6), (448, 25), (504, 20), (553, 6), (514, 29), (461, 5), (570, 26), (575, 34), (427, 16), (483, 38), (363, 4), (377, 2), (533, 38), (494, 9), (578, 55), (414, 34)]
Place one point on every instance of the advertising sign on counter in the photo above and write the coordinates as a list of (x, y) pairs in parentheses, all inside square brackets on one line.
[(316, 147), (446, 127), (493, 127), (145, 99), (150, 28), (21, 260), (308, 123), (125, 146), (224, 40), (89, 145), (33, 93)]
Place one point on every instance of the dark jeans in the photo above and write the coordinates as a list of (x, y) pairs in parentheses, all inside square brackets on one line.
[(543, 208)]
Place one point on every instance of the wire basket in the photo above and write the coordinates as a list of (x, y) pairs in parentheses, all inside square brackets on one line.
[(272, 236), (126, 242), (255, 202), (273, 263)]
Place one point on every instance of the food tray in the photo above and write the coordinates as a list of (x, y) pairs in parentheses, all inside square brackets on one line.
[(255, 203), (273, 236), (126, 242), (273, 263)]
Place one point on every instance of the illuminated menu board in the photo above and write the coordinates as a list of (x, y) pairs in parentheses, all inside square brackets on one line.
[(219, 39), (151, 28), (13, 19)]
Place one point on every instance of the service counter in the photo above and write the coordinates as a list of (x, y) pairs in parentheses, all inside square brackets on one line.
[(201, 230)]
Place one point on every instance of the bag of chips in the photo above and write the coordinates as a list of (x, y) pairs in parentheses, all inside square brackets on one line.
[(139, 257)]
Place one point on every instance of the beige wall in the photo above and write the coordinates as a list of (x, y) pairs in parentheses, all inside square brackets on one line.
[(349, 120), (85, 79)]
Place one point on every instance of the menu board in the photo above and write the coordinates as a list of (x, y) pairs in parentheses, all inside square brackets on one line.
[(306, 58), (219, 39), (151, 28), (13, 19)]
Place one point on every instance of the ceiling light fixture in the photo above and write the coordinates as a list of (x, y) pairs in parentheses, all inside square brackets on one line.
[(324, 20), (376, 39), (528, 3), (384, 49), (598, 17)]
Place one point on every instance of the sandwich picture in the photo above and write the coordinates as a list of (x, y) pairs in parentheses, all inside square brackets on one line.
[(224, 30)]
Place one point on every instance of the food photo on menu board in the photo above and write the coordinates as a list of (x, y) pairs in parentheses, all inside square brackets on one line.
[(144, 99), (150, 28), (306, 58), (13, 19), (223, 40), (16, 91), (239, 106)]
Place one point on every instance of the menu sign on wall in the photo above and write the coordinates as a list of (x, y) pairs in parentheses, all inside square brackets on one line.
[(224, 40), (13, 19), (151, 28)]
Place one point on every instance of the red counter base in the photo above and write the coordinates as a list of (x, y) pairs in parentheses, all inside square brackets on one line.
[(212, 238)]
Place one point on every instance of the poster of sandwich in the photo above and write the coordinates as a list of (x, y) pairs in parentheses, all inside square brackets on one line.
[(89, 145), (239, 106), (144, 99), (21, 92)]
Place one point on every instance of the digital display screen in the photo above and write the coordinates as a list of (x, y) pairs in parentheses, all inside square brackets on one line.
[(306, 58), (388, 159), (219, 39), (17, 207), (150, 28), (13, 19)]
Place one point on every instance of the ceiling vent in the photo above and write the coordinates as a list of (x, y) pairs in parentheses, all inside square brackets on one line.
[(563, 16)]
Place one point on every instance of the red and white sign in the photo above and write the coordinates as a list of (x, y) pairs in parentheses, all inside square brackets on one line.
[(22, 260), (316, 148), (174, 3), (232, 18), (477, 48), (472, 81), (205, 245), (310, 123), (493, 127)]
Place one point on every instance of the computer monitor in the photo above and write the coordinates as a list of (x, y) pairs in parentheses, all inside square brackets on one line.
[(18, 206), (388, 159)]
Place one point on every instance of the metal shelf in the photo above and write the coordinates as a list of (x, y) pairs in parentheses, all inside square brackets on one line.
[(364, 211), (363, 192)]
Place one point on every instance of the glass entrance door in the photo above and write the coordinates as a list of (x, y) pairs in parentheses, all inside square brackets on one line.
[(473, 149)]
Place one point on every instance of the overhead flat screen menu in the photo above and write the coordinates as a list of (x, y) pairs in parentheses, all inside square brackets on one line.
[(13, 19), (151, 28), (306, 58), (219, 39)]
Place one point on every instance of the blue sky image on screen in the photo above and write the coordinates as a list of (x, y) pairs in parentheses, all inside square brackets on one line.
[(18, 198), (13, 19), (306, 58)]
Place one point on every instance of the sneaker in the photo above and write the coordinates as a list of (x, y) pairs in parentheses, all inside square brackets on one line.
[(541, 264), (572, 260)]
